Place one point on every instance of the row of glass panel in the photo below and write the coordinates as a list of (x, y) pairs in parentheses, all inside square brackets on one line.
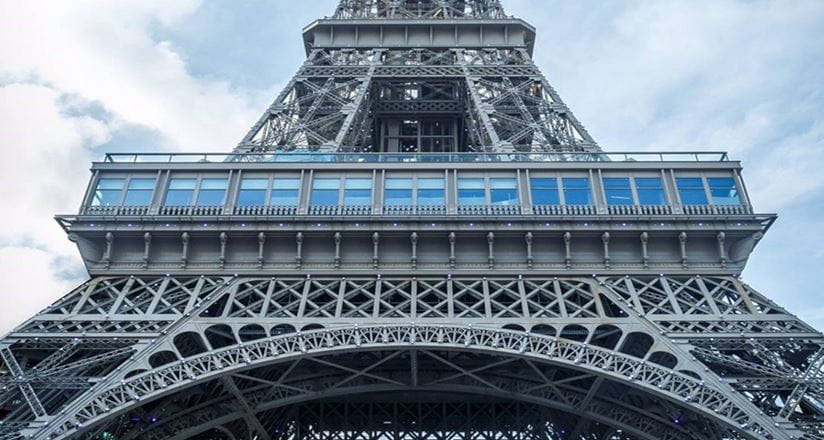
[(420, 191)]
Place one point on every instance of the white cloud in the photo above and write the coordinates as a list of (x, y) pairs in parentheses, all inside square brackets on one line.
[(104, 52), (45, 172), (737, 76), (29, 284), (99, 54)]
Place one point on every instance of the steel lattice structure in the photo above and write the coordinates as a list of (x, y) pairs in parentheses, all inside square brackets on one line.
[(244, 314)]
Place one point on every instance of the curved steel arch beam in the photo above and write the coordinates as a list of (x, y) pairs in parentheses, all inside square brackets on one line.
[(659, 381)]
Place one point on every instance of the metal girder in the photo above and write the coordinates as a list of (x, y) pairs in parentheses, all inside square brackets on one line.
[(419, 9), (238, 311), (614, 366), (18, 378), (343, 379), (332, 104)]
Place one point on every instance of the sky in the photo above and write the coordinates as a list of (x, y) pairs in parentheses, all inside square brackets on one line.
[(83, 77)]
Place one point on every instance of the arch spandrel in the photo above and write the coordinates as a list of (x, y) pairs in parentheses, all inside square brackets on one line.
[(668, 385)]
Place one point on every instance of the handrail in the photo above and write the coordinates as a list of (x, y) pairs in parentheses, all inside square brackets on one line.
[(318, 157)]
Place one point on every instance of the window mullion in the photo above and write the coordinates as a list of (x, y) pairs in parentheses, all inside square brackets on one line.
[(196, 192), (633, 187), (267, 194), (126, 182)]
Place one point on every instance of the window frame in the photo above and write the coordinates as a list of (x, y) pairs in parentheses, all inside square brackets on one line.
[(590, 188), (127, 189), (700, 178), (735, 187), (123, 192), (633, 177), (667, 199), (532, 189), (630, 180), (199, 192), (487, 178), (416, 193), (490, 189), (286, 176), (341, 178), (412, 188), (345, 189), (266, 191), (120, 192), (198, 178)]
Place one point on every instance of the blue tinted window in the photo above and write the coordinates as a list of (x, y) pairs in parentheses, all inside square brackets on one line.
[(108, 192), (723, 191), (139, 193), (691, 190), (398, 192), (471, 192), (252, 192), (357, 192), (285, 192), (212, 192), (618, 191), (325, 192), (650, 191), (577, 191), (545, 191), (180, 192), (503, 191), (431, 192)]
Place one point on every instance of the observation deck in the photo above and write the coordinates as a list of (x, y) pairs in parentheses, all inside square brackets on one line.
[(460, 213)]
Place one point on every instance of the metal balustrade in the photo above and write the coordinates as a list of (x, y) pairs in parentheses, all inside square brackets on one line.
[(116, 210), (266, 210), (411, 210), (640, 210), (191, 210), (505, 210), (715, 210), (479, 210), (564, 210), (406, 210), (358, 210)]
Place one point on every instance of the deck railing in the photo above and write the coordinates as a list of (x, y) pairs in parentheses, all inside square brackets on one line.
[(411, 210), (314, 157)]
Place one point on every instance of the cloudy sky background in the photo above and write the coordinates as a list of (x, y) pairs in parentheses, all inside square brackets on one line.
[(82, 77)]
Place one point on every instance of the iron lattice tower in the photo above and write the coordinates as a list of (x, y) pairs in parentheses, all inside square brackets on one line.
[(378, 64), (417, 240)]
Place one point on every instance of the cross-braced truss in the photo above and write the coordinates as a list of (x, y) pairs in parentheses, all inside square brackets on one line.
[(97, 355), (444, 9), (340, 99)]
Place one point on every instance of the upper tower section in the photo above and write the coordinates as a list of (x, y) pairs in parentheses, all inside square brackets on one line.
[(419, 9), (418, 76)]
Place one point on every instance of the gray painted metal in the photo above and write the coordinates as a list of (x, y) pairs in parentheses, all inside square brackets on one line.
[(453, 322)]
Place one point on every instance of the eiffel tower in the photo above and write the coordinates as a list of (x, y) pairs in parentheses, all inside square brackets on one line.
[(417, 240)]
